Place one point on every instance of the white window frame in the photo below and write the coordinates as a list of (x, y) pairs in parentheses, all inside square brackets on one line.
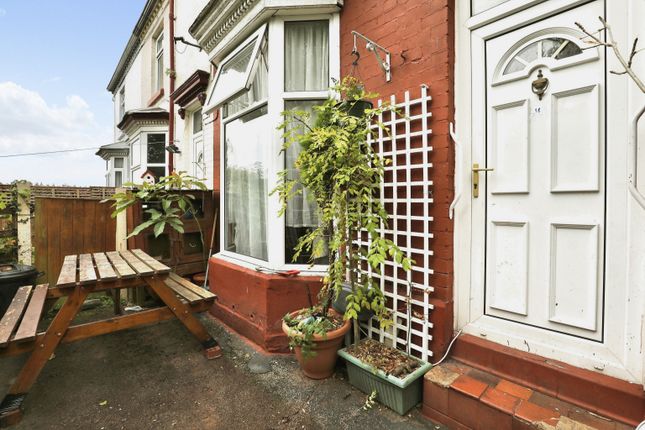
[(256, 38), (276, 104), (121, 102), (197, 144), (118, 169), (158, 50), (145, 152)]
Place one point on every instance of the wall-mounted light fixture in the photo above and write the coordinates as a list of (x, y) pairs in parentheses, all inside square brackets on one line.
[(379, 53), (185, 42), (173, 149)]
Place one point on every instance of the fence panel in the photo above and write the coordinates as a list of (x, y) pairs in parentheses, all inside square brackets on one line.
[(64, 226)]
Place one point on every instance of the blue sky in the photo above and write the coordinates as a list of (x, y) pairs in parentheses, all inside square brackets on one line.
[(56, 58)]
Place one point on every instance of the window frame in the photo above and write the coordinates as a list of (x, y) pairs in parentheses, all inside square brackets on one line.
[(193, 117), (197, 144), (276, 99), (112, 170), (158, 50), (256, 38), (145, 151), (121, 102)]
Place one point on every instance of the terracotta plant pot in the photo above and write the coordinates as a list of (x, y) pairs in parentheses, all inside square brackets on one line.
[(321, 365)]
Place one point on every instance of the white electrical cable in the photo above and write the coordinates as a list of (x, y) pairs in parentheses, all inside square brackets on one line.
[(457, 184), (448, 350)]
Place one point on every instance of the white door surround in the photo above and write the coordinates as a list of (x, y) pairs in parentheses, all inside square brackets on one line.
[(545, 201), (549, 207)]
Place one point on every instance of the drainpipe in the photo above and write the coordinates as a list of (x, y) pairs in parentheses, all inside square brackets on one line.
[(171, 100)]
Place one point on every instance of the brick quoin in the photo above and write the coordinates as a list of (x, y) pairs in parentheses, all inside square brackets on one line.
[(420, 36)]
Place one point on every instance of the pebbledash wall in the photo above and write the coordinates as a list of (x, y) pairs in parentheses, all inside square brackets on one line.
[(420, 36)]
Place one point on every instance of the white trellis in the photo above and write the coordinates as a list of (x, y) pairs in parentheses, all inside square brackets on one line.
[(407, 195)]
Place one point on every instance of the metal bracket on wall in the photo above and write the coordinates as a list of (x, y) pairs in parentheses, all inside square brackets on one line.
[(377, 49)]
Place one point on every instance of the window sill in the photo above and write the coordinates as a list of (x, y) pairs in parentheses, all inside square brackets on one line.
[(305, 270), (156, 97)]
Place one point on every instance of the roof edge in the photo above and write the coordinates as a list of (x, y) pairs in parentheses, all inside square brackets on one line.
[(132, 45)]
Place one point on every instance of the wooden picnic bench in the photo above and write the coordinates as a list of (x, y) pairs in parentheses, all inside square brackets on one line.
[(81, 275)]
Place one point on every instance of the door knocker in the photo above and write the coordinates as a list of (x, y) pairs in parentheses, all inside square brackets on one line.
[(540, 85)]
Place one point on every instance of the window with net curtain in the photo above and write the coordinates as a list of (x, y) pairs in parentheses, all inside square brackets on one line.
[(247, 140), (306, 69), (247, 154)]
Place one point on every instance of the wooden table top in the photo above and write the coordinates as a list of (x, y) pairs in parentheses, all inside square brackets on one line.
[(108, 266)]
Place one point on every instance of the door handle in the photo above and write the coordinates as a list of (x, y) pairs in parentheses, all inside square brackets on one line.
[(476, 170)]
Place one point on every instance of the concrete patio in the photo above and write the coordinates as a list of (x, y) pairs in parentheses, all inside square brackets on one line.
[(156, 377)]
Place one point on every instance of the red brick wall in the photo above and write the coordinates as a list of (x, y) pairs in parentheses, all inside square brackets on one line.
[(420, 36)]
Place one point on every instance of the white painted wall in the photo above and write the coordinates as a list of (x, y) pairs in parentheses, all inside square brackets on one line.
[(139, 82), (133, 93)]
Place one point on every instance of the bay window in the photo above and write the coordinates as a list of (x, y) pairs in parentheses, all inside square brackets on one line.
[(156, 154), (287, 63)]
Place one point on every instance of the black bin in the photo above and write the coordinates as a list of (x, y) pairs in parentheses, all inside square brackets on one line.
[(12, 277)]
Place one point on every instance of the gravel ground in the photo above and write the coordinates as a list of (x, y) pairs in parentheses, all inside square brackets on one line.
[(156, 377)]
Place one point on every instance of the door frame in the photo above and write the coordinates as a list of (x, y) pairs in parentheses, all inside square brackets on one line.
[(619, 355)]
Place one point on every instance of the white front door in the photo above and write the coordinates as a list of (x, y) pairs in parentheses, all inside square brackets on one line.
[(545, 198), (547, 237)]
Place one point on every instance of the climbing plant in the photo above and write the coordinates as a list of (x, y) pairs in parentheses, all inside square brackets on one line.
[(342, 172)]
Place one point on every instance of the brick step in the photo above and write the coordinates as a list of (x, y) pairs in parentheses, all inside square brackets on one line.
[(463, 397)]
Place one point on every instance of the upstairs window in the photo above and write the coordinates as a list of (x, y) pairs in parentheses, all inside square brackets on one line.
[(159, 68), (121, 103)]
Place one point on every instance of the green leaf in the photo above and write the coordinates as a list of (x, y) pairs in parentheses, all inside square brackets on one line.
[(154, 214), (138, 229), (159, 228), (178, 227)]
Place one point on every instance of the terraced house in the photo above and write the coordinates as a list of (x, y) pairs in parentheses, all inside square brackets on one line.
[(516, 181)]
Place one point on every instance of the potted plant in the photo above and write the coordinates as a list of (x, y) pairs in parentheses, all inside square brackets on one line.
[(396, 378), (341, 172)]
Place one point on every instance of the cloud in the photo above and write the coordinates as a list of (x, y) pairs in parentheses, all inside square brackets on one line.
[(52, 80), (3, 12), (29, 124)]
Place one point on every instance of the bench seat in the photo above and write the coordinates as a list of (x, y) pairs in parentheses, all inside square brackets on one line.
[(188, 291), (20, 321)]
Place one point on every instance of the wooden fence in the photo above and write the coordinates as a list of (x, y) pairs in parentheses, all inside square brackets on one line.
[(69, 226), (59, 192), (49, 222)]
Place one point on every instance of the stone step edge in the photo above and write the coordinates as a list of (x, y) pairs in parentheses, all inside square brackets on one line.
[(452, 397)]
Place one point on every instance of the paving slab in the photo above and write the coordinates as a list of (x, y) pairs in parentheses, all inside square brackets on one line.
[(156, 377)]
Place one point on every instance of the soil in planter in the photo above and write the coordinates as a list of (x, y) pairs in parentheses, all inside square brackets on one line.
[(329, 323), (389, 360)]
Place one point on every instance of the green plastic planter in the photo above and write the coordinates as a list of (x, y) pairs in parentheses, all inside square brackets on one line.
[(398, 394)]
